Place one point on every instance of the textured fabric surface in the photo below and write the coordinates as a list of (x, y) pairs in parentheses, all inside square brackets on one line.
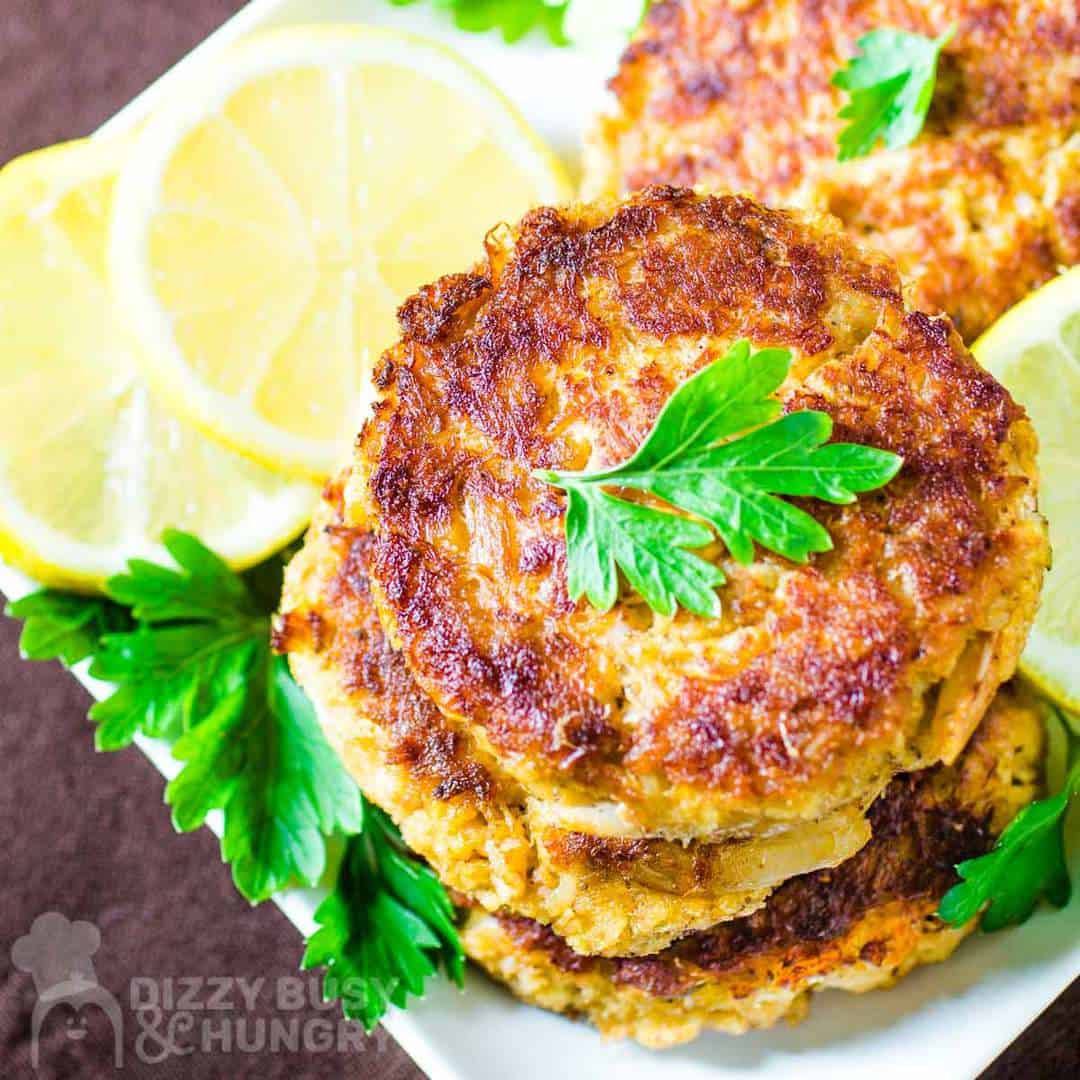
[(86, 834)]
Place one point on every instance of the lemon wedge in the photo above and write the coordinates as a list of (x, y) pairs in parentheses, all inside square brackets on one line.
[(1034, 350), (91, 470), (276, 213)]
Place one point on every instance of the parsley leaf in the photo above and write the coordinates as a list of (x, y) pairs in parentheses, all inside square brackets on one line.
[(197, 670), (197, 632), (891, 83), (261, 758), (512, 18), (188, 649), (385, 928), (649, 545), (580, 21), (719, 451), (167, 676), (1027, 862), (202, 588), (64, 626)]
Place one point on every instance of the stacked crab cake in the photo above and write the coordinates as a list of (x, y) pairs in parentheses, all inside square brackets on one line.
[(635, 806), (982, 208), (459, 808)]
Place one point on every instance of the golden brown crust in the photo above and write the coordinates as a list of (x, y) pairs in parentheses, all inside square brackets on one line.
[(818, 682), (456, 806), (980, 210), (857, 926)]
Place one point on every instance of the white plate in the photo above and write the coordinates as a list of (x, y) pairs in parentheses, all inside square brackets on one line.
[(945, 1021)]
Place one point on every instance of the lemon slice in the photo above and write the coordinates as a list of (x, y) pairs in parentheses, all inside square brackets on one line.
[(91, 470), (274, 216), (1034, 350)]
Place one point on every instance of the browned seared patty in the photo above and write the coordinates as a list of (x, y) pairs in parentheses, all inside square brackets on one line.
[(858, 926), (982, 208), (820, 681), (457, 808)]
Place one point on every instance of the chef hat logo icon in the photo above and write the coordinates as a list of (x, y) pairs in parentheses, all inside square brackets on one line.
[(58, 954)]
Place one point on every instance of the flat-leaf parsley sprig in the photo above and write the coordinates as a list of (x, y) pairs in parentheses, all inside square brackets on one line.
[(197, 670), (65, 626), (562, 20), (891, 83), (512, 18), (720, 451), (1028, 861), (385, 929), (188, 650)]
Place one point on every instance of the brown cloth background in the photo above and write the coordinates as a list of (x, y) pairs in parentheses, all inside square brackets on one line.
[(86, 834)]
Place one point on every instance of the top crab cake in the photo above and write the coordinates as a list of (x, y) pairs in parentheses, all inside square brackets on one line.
[(983, 207), (819, 681)]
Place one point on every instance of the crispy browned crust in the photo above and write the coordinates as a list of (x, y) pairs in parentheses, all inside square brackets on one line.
[(342, 627), (857, 926), (819, 681), (457, 808), (981, 209)]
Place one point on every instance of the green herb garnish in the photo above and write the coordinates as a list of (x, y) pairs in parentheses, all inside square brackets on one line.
[(1025, 865), (562, 20), (197, 670), (385, 929), (188, 649), (512, 18), (720, 451), (65, 626), (891, 83)]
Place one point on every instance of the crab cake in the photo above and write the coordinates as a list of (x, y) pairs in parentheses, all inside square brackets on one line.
[(819, 682), (857, 927), (474, 825), (983, 207)]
